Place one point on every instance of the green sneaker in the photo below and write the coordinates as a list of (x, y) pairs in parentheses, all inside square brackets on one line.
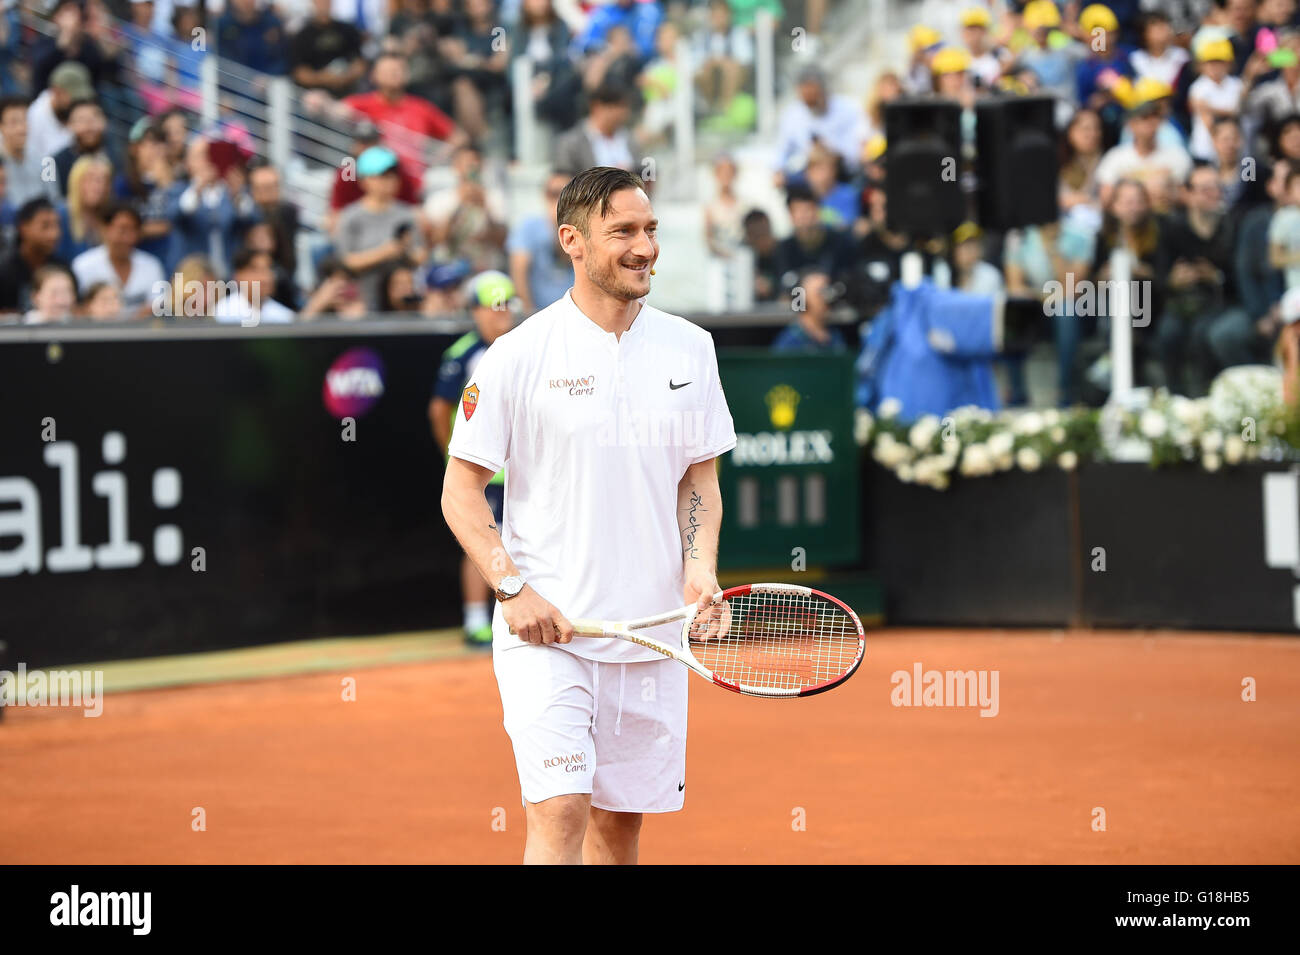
[(480, 638)]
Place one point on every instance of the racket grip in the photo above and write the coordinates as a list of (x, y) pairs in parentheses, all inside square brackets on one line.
[(590, 628)]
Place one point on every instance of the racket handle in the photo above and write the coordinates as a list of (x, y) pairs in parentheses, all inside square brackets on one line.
[(590, 628)]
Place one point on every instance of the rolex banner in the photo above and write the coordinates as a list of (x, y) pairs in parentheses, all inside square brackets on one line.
[(790, 488)]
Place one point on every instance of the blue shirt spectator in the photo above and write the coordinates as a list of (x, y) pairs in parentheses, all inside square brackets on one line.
[(811, 331), (1088, 71), (641, 19), (254, 38), (794, 337), (533, 244)]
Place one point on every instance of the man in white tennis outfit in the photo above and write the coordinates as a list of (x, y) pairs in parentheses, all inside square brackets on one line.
[(607, 416)]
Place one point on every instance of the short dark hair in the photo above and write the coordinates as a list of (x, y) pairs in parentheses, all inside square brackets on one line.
[(798, 192), (754, 216), (13, 102), (30, 209), (608, 94), (48, 271), (244, 258), (590, 191), (116, 208), (87, 101)]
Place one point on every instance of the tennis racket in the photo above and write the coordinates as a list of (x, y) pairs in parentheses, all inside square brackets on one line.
[(768, 640)]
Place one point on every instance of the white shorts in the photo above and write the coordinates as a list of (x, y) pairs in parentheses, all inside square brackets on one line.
[(614, 730)]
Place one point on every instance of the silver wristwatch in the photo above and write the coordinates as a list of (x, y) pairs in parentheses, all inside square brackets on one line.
[(509, 587)]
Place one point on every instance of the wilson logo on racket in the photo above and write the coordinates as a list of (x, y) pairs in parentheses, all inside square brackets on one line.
[(767, 640), (469, 401)]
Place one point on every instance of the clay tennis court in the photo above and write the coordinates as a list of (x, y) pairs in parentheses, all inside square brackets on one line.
[(1151, 728)]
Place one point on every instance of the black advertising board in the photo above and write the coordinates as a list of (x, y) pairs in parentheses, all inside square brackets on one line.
[(207, 491)]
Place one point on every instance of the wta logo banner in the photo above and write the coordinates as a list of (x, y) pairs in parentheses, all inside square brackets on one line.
[(354, 383)]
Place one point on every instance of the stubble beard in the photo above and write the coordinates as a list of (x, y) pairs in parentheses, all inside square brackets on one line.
[(607, 279)]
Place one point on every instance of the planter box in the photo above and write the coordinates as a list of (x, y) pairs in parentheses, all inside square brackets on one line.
[(986, 552), (1182, 548)]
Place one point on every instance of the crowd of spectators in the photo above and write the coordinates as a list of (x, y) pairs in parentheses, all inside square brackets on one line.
[(1178, 126), (93, 200)]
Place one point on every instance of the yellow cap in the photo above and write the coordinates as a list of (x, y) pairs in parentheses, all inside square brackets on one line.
[(1041, 14), (1097, 15), (976, 17), (951, 59), (1148, 89), (875, 147), (965, 232), (1123, 92), (1215, 50), (1131, 95), (922, 36)]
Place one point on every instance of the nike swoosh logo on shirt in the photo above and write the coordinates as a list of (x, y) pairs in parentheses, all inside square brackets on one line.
[(675, 387)]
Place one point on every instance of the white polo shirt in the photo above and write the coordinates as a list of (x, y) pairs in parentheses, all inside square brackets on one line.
[(94, 265), (595, 434)]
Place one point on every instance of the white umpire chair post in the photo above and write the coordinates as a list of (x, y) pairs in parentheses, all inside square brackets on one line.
[(1121, 325), (684, 120), (211, 109), (521, 76), (765, 72), (911, 268), (279, 131)]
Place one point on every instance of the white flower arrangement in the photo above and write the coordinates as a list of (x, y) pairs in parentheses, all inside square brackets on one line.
[(1244, 418)]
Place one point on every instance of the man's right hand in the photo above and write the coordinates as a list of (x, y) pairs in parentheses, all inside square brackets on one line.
[(534, 620)]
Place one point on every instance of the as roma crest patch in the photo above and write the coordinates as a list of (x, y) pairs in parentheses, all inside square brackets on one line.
[(469, 401)]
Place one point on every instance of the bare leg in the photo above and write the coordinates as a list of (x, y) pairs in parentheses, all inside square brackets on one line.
[(815, 11), (555, 830), (733, 78), (469, 108), (612, 838)]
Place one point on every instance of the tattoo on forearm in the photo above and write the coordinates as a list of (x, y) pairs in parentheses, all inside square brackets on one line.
[(693, 526)]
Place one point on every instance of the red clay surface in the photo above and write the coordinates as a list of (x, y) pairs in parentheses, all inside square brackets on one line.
[(1150, 728)]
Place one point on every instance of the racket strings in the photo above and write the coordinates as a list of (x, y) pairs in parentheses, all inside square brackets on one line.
[(776, 641)]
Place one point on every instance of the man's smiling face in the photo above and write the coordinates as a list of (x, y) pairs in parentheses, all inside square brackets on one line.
[(622, 246)]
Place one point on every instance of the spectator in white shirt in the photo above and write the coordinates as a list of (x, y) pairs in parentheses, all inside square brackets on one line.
[(985, 64), (47, 134), (1159, 57), (834, 121), (1158, 167), (22, 165), (1214, 95), (136, 274), (250, 302), (602, 138)]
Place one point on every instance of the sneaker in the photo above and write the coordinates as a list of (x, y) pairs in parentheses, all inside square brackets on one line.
[(480, 638)]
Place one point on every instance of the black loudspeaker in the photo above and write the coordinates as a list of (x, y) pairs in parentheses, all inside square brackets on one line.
[(1016, 162), (923, 196)]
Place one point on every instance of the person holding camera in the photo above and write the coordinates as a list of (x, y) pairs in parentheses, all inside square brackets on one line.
[(377, 231)]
